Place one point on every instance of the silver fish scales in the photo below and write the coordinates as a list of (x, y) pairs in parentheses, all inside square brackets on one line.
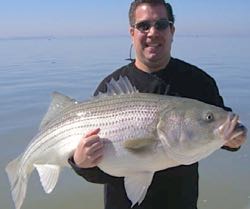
[(142, 133)]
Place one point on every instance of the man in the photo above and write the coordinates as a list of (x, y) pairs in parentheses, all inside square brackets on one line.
[(153, 71)]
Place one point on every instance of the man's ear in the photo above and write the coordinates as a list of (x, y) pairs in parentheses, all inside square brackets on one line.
[(172, 29), (131, 31), (172, 32)]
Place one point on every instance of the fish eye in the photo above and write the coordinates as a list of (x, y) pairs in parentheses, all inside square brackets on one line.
[(209, 117)]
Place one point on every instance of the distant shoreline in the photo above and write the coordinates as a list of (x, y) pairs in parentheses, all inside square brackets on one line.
[(125, 36)]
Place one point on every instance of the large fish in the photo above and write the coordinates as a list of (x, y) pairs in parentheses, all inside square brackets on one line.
[(142, 133)]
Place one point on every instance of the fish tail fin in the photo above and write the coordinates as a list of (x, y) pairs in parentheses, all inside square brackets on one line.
[(18, 181)]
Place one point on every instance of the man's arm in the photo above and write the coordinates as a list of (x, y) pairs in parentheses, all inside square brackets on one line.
[(214, 98), (86, 158), (89, 153)]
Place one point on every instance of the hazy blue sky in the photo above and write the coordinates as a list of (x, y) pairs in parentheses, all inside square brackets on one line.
[(93, 17)]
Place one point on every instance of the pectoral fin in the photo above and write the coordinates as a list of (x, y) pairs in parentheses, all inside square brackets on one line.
[(48, 176), (136, 144), (136, 186)]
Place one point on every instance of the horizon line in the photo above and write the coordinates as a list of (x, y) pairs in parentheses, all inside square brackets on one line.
[(50, 37)]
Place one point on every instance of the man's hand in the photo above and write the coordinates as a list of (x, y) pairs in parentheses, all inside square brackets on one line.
[(89, 151), (237, 141)]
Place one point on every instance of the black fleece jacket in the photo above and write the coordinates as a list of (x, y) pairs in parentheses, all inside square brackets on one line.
[(173, 188)]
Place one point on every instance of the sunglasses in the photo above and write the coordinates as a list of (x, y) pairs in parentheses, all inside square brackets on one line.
[(145, 25)]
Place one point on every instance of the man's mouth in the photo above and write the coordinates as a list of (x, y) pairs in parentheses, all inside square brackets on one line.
[(153, 45)]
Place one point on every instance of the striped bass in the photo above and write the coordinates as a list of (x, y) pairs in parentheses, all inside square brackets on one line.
[(142, 133)]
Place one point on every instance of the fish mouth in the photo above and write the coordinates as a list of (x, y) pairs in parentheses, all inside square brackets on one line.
[(232, 128)]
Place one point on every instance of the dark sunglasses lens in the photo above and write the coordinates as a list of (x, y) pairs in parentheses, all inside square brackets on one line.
[(162, 24), (143, 26)]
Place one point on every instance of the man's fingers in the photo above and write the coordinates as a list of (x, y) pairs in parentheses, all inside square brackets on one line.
[(89, 150), (237, 141), (89, 141), (95, 147), (95, 157), (93, 132)]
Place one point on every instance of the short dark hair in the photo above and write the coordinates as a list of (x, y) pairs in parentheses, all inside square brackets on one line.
[(136, 3)]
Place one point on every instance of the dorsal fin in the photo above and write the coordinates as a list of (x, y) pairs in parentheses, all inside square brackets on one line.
[(121, 86), (58, 104)]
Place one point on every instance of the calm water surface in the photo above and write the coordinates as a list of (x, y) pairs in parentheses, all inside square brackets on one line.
[(33, 68)]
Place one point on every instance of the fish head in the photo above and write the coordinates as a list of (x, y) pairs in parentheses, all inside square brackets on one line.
[(192, 130)]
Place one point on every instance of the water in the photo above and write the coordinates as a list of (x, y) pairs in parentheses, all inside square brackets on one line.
[(30, 69)]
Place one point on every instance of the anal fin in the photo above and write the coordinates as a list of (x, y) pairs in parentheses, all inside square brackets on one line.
[(136, 186), (49, 175)]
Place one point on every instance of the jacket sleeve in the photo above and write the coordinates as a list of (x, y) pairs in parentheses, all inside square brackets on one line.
[(94, 175)]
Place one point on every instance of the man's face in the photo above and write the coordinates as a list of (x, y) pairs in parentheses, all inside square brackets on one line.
[(153, 47)]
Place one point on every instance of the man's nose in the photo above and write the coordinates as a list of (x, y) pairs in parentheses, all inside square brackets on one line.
[(152, 31)]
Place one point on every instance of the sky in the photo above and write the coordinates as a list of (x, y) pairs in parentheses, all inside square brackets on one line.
[(29, 18)]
